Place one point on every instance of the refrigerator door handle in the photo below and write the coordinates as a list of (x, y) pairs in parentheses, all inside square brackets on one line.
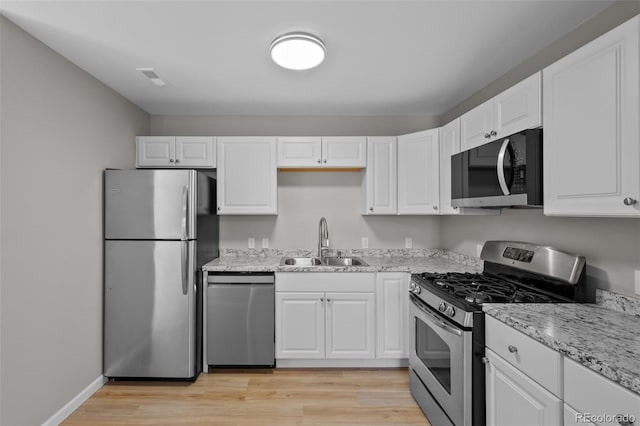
[(185, 213), (185, 267)]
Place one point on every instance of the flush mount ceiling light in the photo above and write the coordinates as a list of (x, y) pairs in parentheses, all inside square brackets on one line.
[(297, 51)]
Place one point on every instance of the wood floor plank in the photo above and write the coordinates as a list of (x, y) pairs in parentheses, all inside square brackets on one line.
[(280, 397)]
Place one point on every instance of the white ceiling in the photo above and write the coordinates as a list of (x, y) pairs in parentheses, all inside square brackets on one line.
[(383, 57)]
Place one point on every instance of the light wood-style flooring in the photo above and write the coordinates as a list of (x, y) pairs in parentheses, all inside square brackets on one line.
[(264, 397)]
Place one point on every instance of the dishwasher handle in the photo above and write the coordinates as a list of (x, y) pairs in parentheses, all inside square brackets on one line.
[(241, 279)]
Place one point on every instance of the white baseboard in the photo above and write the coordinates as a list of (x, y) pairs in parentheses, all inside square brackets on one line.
[(342, 363), (76, 402)]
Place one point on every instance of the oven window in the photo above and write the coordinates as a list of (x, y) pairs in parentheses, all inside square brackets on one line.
[(434, 353)]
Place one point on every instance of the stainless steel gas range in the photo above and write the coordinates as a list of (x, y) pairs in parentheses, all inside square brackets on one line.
[(447, 323)]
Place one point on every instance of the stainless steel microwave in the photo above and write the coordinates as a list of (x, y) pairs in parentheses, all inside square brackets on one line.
[(504, 173)]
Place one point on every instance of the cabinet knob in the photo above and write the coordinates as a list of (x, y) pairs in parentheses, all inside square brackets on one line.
[(485, 360), (493, 133), (435, 207), (325, 161), (629, 201), (322, 299), (219, 208), (171, 160), (177, 161), (487, 135), (370, 209), (319, 161), (328, 300), (512, 349)]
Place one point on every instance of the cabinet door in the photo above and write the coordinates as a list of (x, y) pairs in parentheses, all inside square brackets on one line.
[(195, 151), (418, 173), (344, 151), (155, 151), (247, 175), (299, 152), (300, 325), (449, 145), (475, 126), (350, 325), (518, 108), (392, 315), (591, 118), (380, 194), (513, 399)]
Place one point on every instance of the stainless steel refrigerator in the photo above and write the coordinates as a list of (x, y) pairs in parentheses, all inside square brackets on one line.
[(160, 227)]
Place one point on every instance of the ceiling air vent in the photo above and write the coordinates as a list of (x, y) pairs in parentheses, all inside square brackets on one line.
[(151, 75)]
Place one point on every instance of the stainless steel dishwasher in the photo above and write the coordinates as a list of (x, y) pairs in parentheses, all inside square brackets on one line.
[(240, 320)]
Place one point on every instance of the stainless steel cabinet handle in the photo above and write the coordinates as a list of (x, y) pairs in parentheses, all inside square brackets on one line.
[(629, 201), (512, 349), (171, 160), (487, 135), (177, 161), (493, 133)]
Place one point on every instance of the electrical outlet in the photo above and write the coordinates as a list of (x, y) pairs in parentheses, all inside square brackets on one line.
[(365, 242), (637, 280), (251, 242), (408, 242), (265, 243), (478, 250)]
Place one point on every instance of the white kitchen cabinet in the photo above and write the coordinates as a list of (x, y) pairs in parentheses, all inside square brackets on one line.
[(350, 322), (392, 315), (517, 108), (513, 399), (588, 392), (591, 128), (449, 145), (247, 175), (380, 182), (325, 315), (322, 152), (299, 151), (176, 151), (300, 325), (418, 173)]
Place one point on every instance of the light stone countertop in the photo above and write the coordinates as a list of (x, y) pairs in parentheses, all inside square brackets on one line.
[(394, 260), (599, 336)]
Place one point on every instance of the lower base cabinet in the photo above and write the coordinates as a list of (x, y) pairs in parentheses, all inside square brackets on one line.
[(514, 399)]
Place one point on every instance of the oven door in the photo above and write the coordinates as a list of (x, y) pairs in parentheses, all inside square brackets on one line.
[(440, 354)]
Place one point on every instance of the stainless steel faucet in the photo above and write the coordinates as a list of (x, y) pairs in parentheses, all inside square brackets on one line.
[(323, 237)]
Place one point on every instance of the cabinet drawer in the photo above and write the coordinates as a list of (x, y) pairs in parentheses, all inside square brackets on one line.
[(589, 392), (325, 281), (573, 418), (542, 364)]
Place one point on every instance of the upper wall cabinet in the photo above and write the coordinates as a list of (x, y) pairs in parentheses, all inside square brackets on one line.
[(418, 173), (247, 175), (591, 136), (337, 151), (514, 110), (380, 182), (176, 151)]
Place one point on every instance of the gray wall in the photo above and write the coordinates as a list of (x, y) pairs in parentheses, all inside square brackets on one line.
[(612, 246), (60, 128), (304, 197)]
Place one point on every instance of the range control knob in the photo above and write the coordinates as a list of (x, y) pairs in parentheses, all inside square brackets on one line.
[(442, 307), (451, 311), (417, 290)]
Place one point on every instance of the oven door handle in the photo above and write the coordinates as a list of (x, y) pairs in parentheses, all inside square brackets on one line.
[(443, 325), (500, 167)]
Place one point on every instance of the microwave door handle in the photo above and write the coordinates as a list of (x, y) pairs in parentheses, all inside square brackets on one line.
[(500, 167)]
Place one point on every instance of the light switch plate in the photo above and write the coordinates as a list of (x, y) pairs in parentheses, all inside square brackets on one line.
[(365, 242), (637, 281), (251, 242), (408, 242), (265, 243)]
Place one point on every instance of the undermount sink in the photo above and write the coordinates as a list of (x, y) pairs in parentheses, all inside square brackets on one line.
[(344, 261), (325, 261)]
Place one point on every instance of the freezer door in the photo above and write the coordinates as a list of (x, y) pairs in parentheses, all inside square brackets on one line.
[(150, 204), (149, 309)]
